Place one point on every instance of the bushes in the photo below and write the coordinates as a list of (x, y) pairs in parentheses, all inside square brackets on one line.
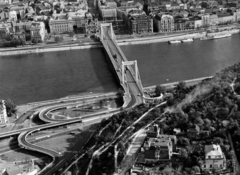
[(13, 43), (58, 39), (10, 107)]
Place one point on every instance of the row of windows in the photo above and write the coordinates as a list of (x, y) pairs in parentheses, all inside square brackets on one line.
[(61, 30), (211, 166), (60, 26), (142, 30)]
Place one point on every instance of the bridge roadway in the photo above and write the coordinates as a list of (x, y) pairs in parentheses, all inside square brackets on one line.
[(112, 48)]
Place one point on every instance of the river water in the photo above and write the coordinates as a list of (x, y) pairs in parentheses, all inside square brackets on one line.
[(44, 76)]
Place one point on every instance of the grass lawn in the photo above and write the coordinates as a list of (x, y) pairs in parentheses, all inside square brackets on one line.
[(21, 155), (12, 169), (68, 142), (5, 128), (60, 143), (85, 109)]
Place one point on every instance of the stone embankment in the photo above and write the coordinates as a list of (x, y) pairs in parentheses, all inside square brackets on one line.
[(127, 41), (120, 41), (18, 51), (157, 39), (223, 32)]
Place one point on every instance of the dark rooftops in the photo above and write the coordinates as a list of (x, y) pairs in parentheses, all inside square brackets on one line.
[(150, 154)]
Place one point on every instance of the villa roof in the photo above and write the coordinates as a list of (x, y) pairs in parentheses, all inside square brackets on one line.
[(213, 150)]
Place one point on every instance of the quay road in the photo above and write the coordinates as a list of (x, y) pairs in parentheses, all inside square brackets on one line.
[(37, 107), (61, 102), (39, 138)]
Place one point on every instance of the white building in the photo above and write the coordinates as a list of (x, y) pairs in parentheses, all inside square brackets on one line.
[(37, 31), (214, 158), (3, 113), (13, 15), (164, 144)]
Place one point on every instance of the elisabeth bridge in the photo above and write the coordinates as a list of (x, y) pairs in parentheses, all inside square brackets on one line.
[(126, 71)]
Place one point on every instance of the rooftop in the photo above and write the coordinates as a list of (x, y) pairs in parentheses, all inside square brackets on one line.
[(213, 150)]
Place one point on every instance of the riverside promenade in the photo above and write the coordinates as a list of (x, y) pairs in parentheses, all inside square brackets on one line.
[(96, 44), (121, 40)]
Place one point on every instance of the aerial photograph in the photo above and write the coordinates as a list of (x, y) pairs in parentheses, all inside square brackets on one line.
[(119, 87)]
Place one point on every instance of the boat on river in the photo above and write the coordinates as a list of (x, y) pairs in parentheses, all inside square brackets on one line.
[(174, 41), (206, 38), (222, 36), (187, 40)]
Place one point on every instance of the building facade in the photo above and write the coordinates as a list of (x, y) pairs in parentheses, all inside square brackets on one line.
[(60, 26), (37, 32), (68, 25), (108, 14), (158, 149), (214, 158), (4, 30), (206, 20), (224, 19), (141, 24), (107, 10), (213, 19), (179, 24), (163, 23), (13, 15), (3, 113), (237, 15)]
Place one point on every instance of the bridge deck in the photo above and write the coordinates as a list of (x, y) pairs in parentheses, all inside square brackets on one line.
[(112, 48)]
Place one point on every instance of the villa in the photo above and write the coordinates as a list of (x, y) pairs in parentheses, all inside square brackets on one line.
[(214, 158)]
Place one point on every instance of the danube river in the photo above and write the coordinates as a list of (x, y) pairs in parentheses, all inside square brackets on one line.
[(44, 76)]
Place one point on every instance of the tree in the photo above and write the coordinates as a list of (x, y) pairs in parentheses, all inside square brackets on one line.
[(104, 122), (223, 113), (236, 115), (58, 39), (233, 126), (182, 141), (120, 92), (198, 121), (183, 154), (196, 169), (170, 102), (101, 103), (160, 90), (218, 140), (10, 107), (207, 122), (181, 86)]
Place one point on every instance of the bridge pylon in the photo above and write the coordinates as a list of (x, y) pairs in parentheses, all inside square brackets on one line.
[(125, 67), (110, 29)]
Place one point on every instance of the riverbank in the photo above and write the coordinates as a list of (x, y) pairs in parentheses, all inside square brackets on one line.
[(126, 41), (21, 109), (19, 51), (95, 44), (165, 38)]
